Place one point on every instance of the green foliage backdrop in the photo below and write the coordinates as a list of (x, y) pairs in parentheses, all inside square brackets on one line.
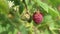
[(13, 20)]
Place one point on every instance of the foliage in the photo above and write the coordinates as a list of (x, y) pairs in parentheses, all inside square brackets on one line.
[(12, 18)]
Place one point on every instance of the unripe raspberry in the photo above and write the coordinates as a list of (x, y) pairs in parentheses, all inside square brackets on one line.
[(37, 17), (26, 17)]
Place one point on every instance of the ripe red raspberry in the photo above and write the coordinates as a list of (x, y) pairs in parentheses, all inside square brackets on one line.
[(37, 17)]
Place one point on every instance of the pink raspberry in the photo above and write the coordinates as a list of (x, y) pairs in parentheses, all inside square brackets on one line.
[(37, 17)]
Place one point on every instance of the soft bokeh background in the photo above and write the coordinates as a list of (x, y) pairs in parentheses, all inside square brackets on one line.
[(16, 17)]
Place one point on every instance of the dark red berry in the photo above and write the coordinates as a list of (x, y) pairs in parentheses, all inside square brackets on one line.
[(37, 17)]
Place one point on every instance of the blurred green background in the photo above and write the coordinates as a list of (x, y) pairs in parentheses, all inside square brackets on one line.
[(16, 16)]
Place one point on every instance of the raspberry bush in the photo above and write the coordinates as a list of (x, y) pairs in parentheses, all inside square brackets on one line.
[(29, 16)]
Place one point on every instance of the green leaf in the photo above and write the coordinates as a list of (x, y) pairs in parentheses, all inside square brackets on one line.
[(21, 8), (43, 5), (7, 26), (48, 18), (1, 30), (57, 31), (55, 2), (52, 26), (4, 32), (17, 2), (15, 31), (47, 31), (9, 32), (3, 7), (27, 1), (23, 29), (48, 9), (53, 12)]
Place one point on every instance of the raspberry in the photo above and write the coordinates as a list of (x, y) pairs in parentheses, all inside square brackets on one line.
[(26, 17), (37, 17)]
